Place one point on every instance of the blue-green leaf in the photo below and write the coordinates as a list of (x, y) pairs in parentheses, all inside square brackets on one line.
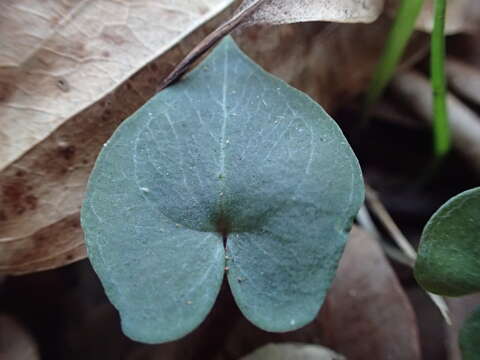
[(470, 337), (232, 154), (448, 260)]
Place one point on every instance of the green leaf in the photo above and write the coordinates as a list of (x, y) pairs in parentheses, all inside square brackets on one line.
[(397, 41), (448, 260), (228, 153), (470, 337), (441, 127)]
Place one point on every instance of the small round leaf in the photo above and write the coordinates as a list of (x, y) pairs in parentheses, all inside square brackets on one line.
[(448, 260)]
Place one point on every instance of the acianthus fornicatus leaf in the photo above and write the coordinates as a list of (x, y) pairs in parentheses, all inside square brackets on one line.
[(448, 260), (229, 171)]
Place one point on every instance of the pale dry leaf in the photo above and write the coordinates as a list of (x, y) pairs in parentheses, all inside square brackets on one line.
[(59, 57), (464, 79), (49, 106), (291, 11), (461, 15), (297, 351), (15, 342)]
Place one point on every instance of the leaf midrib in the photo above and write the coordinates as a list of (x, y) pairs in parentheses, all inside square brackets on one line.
[(223, 134)]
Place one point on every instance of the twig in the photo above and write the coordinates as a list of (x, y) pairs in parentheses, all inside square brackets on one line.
[(409, 253), (365, 220), (207, 43), (390, 225)]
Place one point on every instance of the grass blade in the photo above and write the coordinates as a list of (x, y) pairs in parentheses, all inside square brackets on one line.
[(398, 37), (441, 130)]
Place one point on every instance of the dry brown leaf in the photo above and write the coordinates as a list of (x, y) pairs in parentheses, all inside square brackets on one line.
[(41, 192), (337, 60), (15, 342), (415, 90), (59, 57), (291, 11), (367, 314)]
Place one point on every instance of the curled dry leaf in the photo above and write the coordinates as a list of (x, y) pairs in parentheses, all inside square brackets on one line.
[(50, 92), (291, 11), (415, 90), (15, 342)]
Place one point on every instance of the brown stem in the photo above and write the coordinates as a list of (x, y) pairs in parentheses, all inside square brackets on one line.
[(213, 38)]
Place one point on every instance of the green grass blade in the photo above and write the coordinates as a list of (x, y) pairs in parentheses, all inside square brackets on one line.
[(441, 129), (398, 37)]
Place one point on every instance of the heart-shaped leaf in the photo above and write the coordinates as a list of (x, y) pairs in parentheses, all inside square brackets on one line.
[(470, 337), (448, 260), (231, 154)]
